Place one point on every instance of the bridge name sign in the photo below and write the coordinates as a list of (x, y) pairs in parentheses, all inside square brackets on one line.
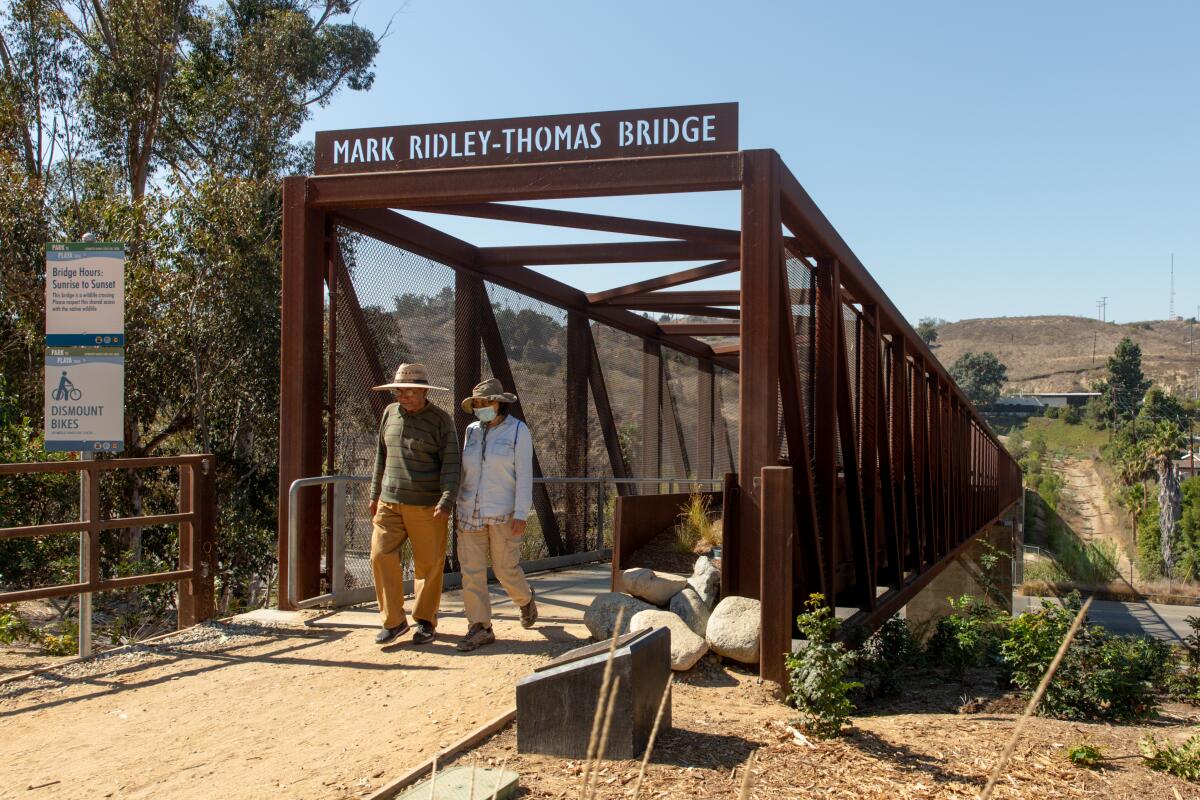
[(676, 130)]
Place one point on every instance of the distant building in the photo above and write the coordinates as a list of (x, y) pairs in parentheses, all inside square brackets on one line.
[(1062, 399)]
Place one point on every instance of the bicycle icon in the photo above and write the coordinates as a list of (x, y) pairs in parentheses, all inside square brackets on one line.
[(66, 390)]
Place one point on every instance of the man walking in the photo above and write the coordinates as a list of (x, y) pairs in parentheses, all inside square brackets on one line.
[(413, 490)]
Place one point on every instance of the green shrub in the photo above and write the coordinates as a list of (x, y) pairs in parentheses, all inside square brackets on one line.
[(886, 652), (967, 638), (1184, 684), (1085, 755), (14, 629), (1053, 412), (1072, 415), (817, 673), (1182, 762), (64, 643), (1102, 676)]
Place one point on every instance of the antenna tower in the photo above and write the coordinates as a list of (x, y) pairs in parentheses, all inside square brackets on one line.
[(1171, 311)]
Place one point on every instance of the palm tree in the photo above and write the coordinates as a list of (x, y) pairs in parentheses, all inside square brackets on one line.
[(1162, 448)]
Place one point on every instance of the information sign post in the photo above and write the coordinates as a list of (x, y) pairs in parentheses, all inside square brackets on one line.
[(85, 367)]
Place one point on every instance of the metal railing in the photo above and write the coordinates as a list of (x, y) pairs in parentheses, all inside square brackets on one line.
[(339, 595), (196, 519)]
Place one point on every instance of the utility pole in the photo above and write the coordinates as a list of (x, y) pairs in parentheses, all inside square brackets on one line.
[(1102, 308)]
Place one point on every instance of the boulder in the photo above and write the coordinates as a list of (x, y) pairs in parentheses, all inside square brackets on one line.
[(686, 647), (733, 629), (654, 587), (691, 609), (601, 615), (706, 580)]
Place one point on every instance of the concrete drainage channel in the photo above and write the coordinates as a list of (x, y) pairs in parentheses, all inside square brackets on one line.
[(487, 783)]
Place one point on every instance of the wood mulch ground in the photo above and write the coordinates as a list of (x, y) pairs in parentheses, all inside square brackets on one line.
[(939, 741)]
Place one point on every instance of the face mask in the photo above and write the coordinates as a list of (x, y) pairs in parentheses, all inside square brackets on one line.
[(485, 414)]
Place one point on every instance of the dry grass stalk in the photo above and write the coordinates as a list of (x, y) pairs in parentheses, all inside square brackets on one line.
[(662, 705), (747, 778), (1033, 701), (594, 739), (499, 778), (610, 704), (471, 791), (433, 777)]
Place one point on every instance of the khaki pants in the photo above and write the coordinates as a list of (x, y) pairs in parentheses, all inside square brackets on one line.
[(393, 524), (473, 549)]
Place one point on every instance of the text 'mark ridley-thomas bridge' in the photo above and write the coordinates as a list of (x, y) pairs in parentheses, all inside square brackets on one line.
[(853, 464)]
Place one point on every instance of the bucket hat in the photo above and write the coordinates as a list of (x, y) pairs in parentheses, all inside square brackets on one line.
[(410, 376), (489, 390)]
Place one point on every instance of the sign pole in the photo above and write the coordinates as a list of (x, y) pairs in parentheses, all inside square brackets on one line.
[(85, 556)]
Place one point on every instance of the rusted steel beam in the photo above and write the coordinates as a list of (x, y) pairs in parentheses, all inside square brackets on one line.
[(828, 322), (805, 219), (705, 413), (891, 603), (758, 387), (712, 297), (890, 523), (691, 311), (868, 428), (331, 359), (197, 600), (807, 570), (608, 425), (699, 328), (67, 590), (777, 616), (730, 520), (680, 278), (358, 335), (107, 465), (601, 178), (592, 222), (408, 234), (860, 543), (727, 349), (671, 411), (493, 345), (579, 357), (650, 465), (604, 253), (300, 369), (469, 296)]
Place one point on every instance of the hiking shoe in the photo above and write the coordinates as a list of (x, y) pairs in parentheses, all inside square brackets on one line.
[(477, 636), (424, 634), (529, 613), (388, 635)]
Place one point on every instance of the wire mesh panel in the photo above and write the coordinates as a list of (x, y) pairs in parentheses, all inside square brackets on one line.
[(801, 294)]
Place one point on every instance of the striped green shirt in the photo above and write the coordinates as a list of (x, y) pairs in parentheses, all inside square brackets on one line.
[(416, 458)]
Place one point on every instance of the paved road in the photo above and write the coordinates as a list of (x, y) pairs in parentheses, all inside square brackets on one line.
[(1153, 619)]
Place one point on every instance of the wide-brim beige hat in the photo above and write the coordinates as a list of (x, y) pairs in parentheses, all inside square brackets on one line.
[(489, 390), (410, 376)]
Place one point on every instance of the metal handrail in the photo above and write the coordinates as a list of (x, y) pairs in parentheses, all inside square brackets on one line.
[(337, 556)]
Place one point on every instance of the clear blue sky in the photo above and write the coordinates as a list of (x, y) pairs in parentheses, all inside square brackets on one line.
[(982, 159)]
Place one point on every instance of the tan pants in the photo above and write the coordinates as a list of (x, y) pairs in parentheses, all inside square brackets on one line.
[(393, 524), (473, 549)]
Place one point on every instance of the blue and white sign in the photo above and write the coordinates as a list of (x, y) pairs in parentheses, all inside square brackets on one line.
[(85, 347)]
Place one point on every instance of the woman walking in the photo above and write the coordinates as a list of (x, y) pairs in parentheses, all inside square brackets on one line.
[(495, 493)]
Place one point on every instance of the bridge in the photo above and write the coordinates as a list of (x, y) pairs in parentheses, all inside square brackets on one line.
[(851, 463)]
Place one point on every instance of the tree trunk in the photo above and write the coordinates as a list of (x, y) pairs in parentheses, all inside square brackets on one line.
[(1170, 501)]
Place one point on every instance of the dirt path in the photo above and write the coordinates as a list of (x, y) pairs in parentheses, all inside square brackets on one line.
[(253, 710), (1085, 507)]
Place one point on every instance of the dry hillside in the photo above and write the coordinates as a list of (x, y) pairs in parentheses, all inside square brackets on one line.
[(1054, 354)]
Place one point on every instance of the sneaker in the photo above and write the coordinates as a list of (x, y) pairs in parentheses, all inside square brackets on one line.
[(424, 634), (529, 613), (388, 635), (477, 636)]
